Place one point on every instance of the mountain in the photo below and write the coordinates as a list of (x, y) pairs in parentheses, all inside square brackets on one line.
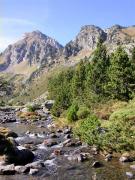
[(89, 35), (85, 40), (37, 52), (29, 53)]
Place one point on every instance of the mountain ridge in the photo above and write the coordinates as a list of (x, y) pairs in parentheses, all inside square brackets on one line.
[(37, 50)]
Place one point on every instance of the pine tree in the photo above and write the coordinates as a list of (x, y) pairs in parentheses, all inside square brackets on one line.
[(100, 64), (78, 80), (120, 75)]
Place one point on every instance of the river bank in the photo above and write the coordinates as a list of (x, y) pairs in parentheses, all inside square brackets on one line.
[(58, 155)]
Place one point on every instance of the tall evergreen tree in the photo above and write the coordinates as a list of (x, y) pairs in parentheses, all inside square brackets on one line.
[(100, 64), (78, 80), (120, 75)]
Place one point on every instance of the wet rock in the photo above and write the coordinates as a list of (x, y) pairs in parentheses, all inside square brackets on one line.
[(94, 150), (33, 171), (125, 157), (59, 131), (30, 146), (7, 170), (70, 144), (50, 142), (50, 163), (97, 164), (129, 174), (35, 165), (132, 167), (67, 131), (67, 136), (108, 157), (66, 142), (57, 152), (20, 157), (79, 157), (22, 169), (53, 135), (11, 134)]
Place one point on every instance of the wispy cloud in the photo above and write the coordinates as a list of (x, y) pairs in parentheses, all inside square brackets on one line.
[(17, 21), (5, 41), (12, 28)]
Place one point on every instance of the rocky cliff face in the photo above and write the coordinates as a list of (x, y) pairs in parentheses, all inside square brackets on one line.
[(35, 49), (112, 37), (86, 39)]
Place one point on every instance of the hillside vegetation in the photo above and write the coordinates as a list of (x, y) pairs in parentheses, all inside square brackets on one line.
[(97, 98)]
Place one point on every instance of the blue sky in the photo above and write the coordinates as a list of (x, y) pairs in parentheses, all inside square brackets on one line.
[(60, 19)]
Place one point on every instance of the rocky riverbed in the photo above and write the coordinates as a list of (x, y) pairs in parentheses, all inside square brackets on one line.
[(49, 153)]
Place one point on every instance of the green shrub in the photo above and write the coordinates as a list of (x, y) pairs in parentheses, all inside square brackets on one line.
[(83, 112), (2, 103), (120, 135), (32, 108), (72, 112), (88, 130)]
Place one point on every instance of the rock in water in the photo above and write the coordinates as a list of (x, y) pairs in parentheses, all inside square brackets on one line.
[(22, 169), (7, 170), (96, 164)]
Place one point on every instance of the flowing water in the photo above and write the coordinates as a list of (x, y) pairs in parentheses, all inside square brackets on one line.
[(59, 168)]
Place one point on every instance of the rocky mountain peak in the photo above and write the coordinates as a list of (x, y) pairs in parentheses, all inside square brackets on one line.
[(34, 49), (87, 39), (33, 34)]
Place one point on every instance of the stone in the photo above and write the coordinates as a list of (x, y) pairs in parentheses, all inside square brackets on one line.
[(35, 165), (96, 164), (67, 136), (129, 174), (79, 157), (66, 142), (132, 167), (7, 170), (33, 171), (53, 135), (20, 157), (67, 131), (108, 157), (50, 142), (22, 169), (125, 157), (59, 131), (57, 152)]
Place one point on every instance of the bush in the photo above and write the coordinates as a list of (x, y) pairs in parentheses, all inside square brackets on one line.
[(83, 112), (88, 130), (32, 108), (2, 103), (120, 135), (72, 112)]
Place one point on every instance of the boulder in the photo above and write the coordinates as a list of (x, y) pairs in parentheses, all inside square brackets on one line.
[(125, 157), (129, 174), (22, 169), (97, 164), (108, 157), (132, 167), (7, 170), (20, 157), (33, 171), (11, 134), (35, 165), (50, 142), (79, 157)]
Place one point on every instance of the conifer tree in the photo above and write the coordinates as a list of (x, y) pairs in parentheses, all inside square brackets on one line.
[(120, 75)]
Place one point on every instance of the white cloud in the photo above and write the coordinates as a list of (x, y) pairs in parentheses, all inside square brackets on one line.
[(12, 28), (17, 21), (5, 41)]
